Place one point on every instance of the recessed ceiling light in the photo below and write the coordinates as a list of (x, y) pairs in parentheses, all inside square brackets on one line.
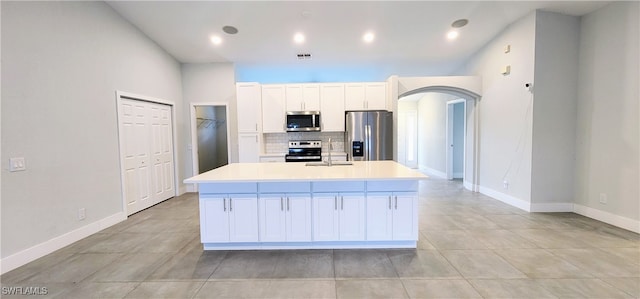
[(452, 34), (298, 38), (216, 40), (368, 37), (459, 23), (230, 30)]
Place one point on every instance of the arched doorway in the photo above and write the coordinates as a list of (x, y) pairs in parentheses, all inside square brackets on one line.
[(466, 88)]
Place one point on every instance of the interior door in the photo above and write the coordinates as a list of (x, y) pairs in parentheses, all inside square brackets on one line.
[(134, 124), (162, 151), (146, 150)]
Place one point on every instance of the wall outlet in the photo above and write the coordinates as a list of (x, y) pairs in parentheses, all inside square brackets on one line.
[(505, 184), (17, 164), (603, 198), (82, 214)]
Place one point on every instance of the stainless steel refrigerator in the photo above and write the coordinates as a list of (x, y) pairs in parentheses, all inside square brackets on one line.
[(369, 135)]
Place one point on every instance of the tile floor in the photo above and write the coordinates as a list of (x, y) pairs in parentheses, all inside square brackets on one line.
[(471, 246)]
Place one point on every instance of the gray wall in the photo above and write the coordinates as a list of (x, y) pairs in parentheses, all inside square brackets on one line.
[(504, 110), (432, 131), (554, 109), (209, 83), (607, 114), (62, 63)]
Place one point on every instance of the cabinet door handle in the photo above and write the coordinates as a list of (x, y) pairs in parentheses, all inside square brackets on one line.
[(288, 203), (335, 202), (341, 202), (396, 202), (224, 202), (230, 204), (281, 204), (256, 127), (389, 202)]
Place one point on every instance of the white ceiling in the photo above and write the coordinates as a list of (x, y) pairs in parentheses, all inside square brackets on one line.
[(406, 32)]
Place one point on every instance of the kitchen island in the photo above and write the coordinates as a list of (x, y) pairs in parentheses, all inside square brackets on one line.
[(370, 204)]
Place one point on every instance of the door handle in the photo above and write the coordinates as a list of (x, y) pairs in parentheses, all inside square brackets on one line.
[(230, 204), (224, 203), (367, 142), (341, 202), (281, 204), (288, 203), (396, 202), (389, 202), (335, 202)]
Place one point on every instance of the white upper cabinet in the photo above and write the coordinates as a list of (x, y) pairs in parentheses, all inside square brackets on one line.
[(303, 97), (366, 96), (376, 95), (249, 96), (332, 107), (273, 108)]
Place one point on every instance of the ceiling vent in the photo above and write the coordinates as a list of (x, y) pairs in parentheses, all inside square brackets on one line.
[(303, 56)]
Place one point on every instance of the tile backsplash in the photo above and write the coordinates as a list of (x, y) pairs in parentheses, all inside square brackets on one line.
[(276, 143)]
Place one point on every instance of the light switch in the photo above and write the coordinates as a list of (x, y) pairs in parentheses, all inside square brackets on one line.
[(507, 48), (17, 164), (506, 70)]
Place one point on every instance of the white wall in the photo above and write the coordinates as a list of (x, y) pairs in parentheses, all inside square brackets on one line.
[(432, 129), (62, 63), (505, 121), (211, 82), (607, 127), (554, 110)]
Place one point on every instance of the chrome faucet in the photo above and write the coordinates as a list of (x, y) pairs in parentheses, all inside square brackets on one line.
[(330, 149)]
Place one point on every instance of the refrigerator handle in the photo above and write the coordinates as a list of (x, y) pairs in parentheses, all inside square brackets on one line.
[(367, 142)]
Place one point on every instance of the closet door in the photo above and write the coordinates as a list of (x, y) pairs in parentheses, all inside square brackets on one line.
[(146, 151), (134, 150), (161, 151)]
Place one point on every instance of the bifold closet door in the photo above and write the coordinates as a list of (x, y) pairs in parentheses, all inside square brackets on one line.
[(147, 153)]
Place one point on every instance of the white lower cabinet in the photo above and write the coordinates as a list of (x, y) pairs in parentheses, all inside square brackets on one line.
[(339, 217), (285, 217), (391, 216), (248, 148), (228, 218)]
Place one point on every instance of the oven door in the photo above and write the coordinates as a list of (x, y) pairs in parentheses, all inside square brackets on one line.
[(303, 155), (297, 158)]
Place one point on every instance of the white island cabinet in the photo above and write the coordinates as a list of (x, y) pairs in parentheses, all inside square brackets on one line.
[(370, 204)]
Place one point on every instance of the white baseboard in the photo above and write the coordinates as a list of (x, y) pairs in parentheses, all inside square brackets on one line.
[(191, 188), (508, 199), (606, 217), (551, 207), (30, 254), (469, 186), (183, 189), (433, 172)]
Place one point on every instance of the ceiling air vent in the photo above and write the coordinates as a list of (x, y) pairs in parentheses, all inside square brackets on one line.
[(303, 56)]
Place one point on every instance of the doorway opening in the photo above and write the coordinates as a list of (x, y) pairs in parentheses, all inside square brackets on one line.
[(446, 88), (210, 136), (456, 136)]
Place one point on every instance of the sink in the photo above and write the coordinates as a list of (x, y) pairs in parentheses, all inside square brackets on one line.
[(334, 163)]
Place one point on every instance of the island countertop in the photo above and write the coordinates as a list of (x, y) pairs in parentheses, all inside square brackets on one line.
[(287, 172)]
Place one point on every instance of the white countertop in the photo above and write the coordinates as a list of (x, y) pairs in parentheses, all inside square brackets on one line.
[(284, 172)]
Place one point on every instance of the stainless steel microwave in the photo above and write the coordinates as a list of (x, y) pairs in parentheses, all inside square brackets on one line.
[(303, 121)]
